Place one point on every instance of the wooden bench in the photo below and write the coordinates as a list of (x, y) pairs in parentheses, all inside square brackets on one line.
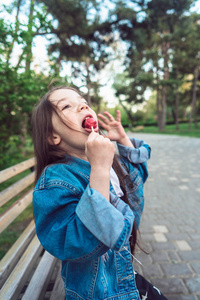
[(27, 271)]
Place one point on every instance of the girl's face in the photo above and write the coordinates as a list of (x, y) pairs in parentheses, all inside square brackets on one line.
[(69, 132)]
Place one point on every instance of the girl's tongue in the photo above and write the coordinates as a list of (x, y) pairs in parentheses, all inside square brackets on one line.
[(89, 123)]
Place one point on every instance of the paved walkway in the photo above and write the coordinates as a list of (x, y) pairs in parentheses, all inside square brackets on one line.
[(170, 226)]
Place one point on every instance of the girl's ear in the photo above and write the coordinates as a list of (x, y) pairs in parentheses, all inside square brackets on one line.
[(55, 139)]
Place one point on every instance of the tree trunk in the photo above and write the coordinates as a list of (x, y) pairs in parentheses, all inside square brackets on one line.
[(163, 109), (88, 80), (177, 101), (158, 99), (15, 33), (30, 37), (158, 106), (194, 97), (23, 134), (165, 48), (129, 114)]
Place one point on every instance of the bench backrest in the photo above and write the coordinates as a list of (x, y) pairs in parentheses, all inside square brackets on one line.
[(26, 271)]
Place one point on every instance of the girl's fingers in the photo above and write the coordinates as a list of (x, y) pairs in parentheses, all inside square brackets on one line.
[(103, 118), (110, 117), (102, 123), (118, 116)]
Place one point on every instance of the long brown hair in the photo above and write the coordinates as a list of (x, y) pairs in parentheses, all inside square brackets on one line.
[(47, 153), (42, 131), (122, 178)]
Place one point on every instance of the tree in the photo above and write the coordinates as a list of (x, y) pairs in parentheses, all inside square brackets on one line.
[(20, 87), (149, 31), (186, 59), (79, 38)]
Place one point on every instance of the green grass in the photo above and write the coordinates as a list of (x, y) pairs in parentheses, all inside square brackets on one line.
[(171, 129)]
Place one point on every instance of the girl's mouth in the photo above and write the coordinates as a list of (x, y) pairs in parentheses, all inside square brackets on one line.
[(89, 123)]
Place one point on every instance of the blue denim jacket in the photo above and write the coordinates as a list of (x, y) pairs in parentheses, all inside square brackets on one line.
[(76, 224)]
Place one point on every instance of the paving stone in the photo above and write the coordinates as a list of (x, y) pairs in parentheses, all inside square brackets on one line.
[(187, 297), (185, 180), (181, 297), (172, 200), (159, 256), (190, 255), (196, 266), (195, 175), (173, 178), (163, 246), (195, 244), (146, 237), (160, 229), (175, 269), (153, 271), (183, 187), (195, 236), (173, 236), (169, 285), (160, 237), (183, 245), (144, 258), (173, 255), (193, 284)]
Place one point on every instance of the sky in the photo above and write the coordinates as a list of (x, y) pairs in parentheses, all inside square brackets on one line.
[(105, 77)]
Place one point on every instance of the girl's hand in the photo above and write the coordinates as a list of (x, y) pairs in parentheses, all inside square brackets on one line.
[(114, 128), (99, 151)]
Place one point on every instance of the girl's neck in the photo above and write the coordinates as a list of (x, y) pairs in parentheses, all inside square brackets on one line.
[(79, 155)]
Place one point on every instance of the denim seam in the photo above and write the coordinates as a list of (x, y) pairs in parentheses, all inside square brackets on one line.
[(62, 184), (91, 291), (84, 175), (88, 255)]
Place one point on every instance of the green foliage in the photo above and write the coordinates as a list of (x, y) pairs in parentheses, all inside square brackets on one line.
[(162, 54), (19, 93), (81, 38), (163, 48)]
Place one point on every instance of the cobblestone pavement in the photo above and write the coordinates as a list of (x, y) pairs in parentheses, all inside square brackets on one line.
[(170, 225)]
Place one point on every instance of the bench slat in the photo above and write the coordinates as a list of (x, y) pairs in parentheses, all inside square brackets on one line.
[(26, 270), (12, 212), (58, 291), (17, 279), (16, 169), (16, 188), (39, 282), (11, 258)]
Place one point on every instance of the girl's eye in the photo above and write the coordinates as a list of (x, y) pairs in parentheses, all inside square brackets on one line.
[(66, 106)]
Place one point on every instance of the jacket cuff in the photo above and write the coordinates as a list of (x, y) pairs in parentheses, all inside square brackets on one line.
[(139, 154), (102, 219)]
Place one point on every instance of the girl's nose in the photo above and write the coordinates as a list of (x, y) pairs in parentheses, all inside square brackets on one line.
[(83, 106)]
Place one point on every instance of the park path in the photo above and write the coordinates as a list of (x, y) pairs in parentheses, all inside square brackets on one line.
[(170, 225)]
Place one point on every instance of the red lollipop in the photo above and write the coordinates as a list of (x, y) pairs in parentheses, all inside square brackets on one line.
[(89, 123)]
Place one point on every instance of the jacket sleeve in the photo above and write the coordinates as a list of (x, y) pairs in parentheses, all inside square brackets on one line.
[(112, 225), (139, 154), (79, 228)]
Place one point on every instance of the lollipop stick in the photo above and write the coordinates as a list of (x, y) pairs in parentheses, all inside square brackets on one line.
[(92, 128)]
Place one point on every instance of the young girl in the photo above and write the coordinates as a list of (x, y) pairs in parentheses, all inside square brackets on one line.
[(87, 201)]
